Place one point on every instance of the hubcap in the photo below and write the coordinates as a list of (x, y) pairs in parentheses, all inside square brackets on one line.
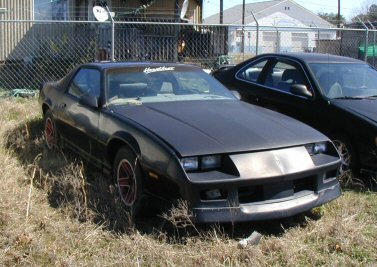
[(49, 133), (126, 182), (345, 155)]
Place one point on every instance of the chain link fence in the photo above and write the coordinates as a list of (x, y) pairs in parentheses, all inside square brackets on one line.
[(32, 52)]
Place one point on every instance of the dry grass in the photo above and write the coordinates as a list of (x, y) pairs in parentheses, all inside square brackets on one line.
[(58, 211)]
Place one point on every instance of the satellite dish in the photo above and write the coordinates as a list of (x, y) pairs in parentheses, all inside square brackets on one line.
[(100, 13), (184, 9)]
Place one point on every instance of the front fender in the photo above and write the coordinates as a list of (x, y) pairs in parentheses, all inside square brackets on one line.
[(123, 137)]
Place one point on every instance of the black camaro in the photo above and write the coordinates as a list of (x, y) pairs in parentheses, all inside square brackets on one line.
[(172, 131), (336, 95)]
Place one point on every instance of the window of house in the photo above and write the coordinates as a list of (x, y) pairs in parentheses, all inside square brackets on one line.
[(297, 36), (239, 33), (60, 10), (269, 36)]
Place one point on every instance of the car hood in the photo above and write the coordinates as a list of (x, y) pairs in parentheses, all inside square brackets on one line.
[(212, 127), (364, 107)]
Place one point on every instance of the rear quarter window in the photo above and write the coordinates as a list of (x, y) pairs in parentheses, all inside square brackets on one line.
[(252, 72)]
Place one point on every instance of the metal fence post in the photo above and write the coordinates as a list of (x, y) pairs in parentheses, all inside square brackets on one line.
[(277, 46), (112, 35), (366, 40), (257, 41), (366, 43), (374, 42)]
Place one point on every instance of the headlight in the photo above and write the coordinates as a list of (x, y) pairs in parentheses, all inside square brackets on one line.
[(201, 163), (190, 164), (210, 162), (316, 148)]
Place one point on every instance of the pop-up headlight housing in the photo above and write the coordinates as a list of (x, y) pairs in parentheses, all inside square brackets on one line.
[(202, 163), (190, 164), (316, 148), (210, 162)]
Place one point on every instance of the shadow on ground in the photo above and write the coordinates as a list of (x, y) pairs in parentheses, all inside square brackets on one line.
[(88, 194)]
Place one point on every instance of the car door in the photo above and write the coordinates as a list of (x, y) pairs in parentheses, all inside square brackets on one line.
[(269, 82), (80, 120)]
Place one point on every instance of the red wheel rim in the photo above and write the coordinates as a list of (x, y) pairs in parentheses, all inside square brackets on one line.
[(126, 182), (49, 133)]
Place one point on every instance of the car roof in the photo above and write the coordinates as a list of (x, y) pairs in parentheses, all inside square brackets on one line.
[(105, 65), (315, 57)]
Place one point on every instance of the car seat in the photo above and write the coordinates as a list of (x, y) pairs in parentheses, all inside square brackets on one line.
[(330, 85), (289, 77)]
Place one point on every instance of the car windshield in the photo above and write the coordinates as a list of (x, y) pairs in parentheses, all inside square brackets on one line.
[(346, 80), (162, 84)]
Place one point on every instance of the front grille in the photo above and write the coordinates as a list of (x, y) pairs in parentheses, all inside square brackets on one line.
[(276, 190)]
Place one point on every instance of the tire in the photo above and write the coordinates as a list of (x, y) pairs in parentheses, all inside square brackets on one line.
[(49, 131), (128, 178), (348, 157)]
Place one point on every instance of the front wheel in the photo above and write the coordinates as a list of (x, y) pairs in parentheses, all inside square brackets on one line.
[(347, 154), (128, 178)]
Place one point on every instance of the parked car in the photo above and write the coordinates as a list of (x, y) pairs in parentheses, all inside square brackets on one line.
[(223, 61), (336, 95), (173, 131)]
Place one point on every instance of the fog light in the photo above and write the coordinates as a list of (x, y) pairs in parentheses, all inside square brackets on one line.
[(213, 194)]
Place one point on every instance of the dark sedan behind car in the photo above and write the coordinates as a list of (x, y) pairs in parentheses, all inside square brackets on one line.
[(336, 95)]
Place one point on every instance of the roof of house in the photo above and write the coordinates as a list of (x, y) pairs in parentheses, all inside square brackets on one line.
[(267, 8)]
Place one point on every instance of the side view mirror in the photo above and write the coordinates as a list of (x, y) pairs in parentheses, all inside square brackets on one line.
[(300, 90), (88, 101)]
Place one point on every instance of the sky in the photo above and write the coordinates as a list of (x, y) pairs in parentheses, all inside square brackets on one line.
[(348, 8)]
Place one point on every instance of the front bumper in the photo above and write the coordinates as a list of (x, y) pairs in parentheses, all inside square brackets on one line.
[(267, 210), (269, 185)]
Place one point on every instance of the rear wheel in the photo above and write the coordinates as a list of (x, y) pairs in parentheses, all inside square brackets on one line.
[(50, 131), (128, 178)]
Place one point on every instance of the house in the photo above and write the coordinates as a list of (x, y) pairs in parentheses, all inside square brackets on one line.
[(284, 26), (43, 39), (17, 10), (130, 10), (82, 10), (13, 10)]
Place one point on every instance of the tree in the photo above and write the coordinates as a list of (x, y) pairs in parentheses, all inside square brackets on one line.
[(367, 12), (332, 18)]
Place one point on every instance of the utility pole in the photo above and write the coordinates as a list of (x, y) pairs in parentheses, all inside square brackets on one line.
[(221, 11), (338, 13), (243, 28)]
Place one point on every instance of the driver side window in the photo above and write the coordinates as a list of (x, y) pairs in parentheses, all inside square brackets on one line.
[(283, 75), (86, 81)]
